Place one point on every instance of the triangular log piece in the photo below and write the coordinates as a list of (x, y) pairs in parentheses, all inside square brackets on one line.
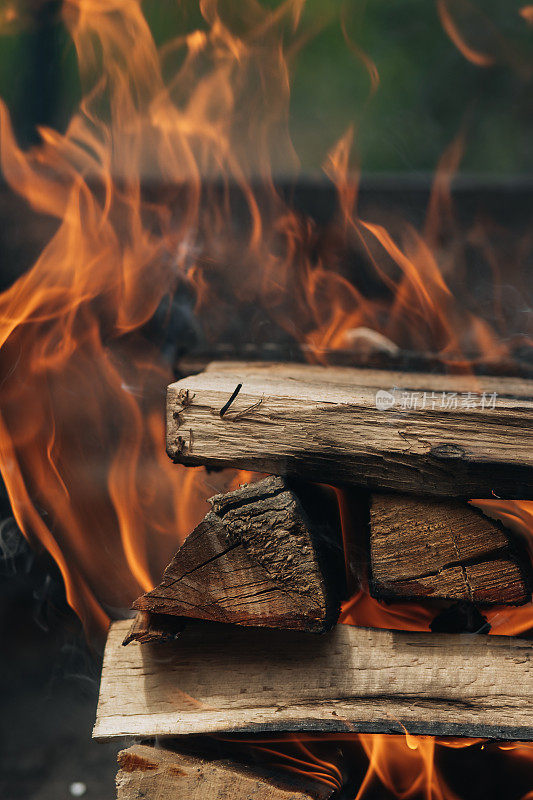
[(154, 772), (446, 550), (268, 554)]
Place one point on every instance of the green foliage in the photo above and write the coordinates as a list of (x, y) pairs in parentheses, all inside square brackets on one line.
[(428, 90)]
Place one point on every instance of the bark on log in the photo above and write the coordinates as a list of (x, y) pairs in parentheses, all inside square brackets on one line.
[(443, 549), (217, 678), (157, 774), (323, 424), (267, 554)]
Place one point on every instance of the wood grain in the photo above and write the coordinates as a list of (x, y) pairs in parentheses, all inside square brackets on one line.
[(267, 554), (155, 773), (321, 423), (225, 678), (443, 549)]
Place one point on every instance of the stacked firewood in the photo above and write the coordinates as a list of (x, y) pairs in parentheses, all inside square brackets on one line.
[(272, 556)]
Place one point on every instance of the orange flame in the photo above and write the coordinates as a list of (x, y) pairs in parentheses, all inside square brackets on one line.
[(526, 12), (81, 432), (404, 766), (449, 24)]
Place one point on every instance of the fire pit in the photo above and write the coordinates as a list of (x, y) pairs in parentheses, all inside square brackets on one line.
[(322, 589)]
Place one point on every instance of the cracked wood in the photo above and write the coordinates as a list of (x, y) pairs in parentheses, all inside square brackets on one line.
[(269, 553), (154, 772), (322, 424), (443, 549), (220, 678)]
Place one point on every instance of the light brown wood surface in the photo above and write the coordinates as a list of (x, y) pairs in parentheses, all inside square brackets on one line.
[(443, 549), (266, 554), (321, 423), (158, 774), (225, 678)]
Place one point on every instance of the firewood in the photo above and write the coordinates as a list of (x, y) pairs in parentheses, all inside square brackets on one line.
[(153, 772), (159, 774), (424, 434), (217, 678), (266, 554), (148, 627), (443, 549)]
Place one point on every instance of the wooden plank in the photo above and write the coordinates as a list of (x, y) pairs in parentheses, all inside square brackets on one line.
[(159, 774), (219, 678), (443, 549), (267, 554), (322, 423)]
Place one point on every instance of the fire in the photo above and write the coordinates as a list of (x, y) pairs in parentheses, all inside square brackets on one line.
[(81, 411), (403, 767), (518, 516), (526, 12), (450, 25), (81, 406)]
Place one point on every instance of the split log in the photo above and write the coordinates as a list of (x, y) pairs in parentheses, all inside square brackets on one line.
[(425, 434), (219, 678), (148, 627), (267, 554), (443, 549), (158, 774)]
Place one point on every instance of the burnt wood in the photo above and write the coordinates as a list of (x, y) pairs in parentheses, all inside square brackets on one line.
[(148, 627), (443, 549), (160, 774), (217, 678), (267, 554), (324, 424)]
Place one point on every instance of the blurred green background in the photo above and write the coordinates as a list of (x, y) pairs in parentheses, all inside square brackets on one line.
[(427, 92)]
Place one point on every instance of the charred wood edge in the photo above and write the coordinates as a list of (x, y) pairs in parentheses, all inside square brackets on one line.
[(315, 508), (503, 733), (224, 755), (460, 617), (516, 550), (148, 627)]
